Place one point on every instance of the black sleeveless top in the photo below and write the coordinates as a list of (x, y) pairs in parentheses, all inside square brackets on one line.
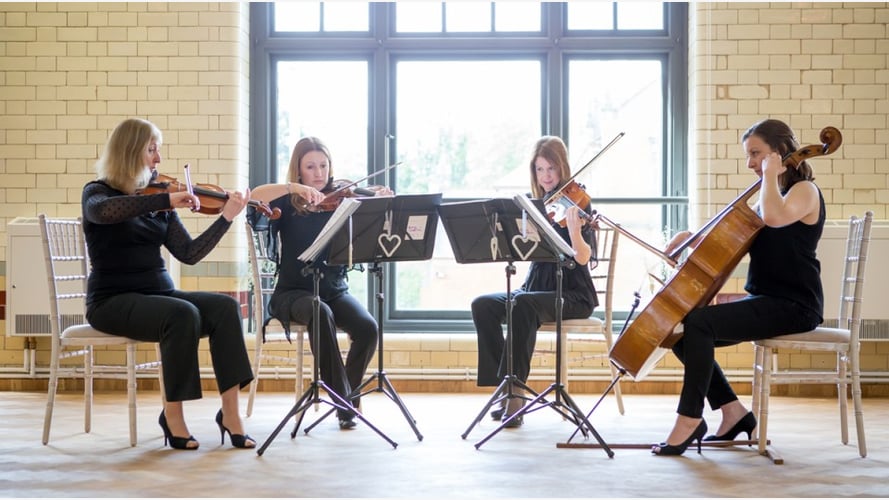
[(783, 263)]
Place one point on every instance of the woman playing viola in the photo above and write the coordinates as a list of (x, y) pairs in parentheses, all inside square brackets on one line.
[(783, 282), (311, 175), (130, 293), (535, 300)]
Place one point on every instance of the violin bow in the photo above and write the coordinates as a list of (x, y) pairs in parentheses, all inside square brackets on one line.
[(581, 169), (190, 189)]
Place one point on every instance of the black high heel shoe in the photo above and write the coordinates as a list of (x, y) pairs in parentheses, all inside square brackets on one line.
[(746, 424), (238, 440), (679, 449), (179, 443)]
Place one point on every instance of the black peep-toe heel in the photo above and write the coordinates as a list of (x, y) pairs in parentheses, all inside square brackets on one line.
[(179, 443), (238, 440)]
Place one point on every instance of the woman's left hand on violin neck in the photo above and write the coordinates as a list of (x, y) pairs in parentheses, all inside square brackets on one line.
[(573, 220)]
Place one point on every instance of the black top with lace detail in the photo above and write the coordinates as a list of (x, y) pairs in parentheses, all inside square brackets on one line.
[(124, 235)]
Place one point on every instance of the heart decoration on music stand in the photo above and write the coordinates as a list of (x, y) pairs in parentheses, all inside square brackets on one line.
[(525, 245), (389, 243)]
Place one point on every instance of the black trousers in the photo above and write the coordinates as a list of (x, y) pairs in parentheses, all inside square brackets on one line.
[(350, 316), (753, 318), (530, 310), (177, 322)]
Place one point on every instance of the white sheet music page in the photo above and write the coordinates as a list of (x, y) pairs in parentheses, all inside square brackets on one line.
[(340, 216), (544, 227)]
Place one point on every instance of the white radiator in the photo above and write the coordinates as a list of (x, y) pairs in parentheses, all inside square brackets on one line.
[(27, 291), (831, 252)]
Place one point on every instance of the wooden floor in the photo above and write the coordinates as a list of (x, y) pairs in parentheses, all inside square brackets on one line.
[(524, 462)]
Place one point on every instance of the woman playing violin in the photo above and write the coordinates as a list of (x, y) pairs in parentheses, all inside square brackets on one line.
[(130, 293), (535, 300), (783, 283), (310, 176)]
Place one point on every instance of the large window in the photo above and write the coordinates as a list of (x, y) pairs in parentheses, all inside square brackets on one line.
[(457, 93)]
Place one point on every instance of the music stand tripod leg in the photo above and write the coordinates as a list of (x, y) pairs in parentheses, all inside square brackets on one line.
[(312, 395), (383, 383), (506, 389)]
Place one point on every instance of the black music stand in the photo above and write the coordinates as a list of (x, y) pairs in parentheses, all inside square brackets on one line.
[(507, 230), (386, 229), (316, 254)]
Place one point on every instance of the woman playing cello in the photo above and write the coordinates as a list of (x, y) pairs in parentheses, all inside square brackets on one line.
[(783, 283)]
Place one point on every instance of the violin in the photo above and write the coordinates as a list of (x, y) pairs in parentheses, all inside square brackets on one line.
[(340, 189), (571, 194), (212, 197)]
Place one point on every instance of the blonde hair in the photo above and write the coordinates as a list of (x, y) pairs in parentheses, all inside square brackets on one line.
[(553, 150), (122, 164)]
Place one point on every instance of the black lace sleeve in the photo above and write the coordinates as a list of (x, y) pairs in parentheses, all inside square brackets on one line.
[(104, 205), (191, 251)]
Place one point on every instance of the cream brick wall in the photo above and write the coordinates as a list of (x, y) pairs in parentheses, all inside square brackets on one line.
[(811, 65), (69, 72)]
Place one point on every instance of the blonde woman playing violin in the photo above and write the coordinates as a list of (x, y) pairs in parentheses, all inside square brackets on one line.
[(535, 300), (310, 174), (130, 293)]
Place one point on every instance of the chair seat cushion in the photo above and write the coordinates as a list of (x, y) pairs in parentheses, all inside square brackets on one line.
[(582, 325), (818, 335), (87, 332)]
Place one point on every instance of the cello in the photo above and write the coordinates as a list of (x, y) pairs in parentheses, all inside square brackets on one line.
[(697, 280)]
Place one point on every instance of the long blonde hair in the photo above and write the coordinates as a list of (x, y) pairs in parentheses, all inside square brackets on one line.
[(553, 150), (122, 164)]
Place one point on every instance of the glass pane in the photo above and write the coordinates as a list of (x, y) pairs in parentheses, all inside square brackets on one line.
[(640, 15), (638, 269), (346, 16), (590, 16), (629, 99), (418, 17), (297, 16), (328, 100), (517, 16), (465, 129), (467, 16)]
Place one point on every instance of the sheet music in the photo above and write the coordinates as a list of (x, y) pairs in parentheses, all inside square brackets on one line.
[(340, 216), (544, 227)]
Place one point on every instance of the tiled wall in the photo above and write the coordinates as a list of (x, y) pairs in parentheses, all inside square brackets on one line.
[(69, 72)]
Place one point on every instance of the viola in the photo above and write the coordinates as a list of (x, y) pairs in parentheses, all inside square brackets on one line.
[(212, 197), (703, 273)]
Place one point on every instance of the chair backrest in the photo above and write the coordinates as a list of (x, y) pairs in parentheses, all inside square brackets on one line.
[(262, 272), (67, 262), (852, 287), (602, 270)]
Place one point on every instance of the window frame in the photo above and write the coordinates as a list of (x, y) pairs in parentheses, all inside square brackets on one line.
[(555, 45)]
